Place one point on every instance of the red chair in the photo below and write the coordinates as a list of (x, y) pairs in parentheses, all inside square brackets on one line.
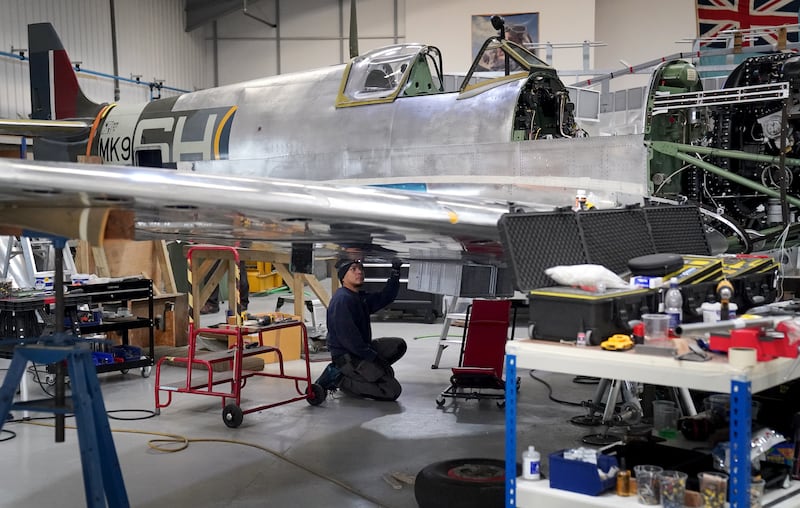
[(480, 371)]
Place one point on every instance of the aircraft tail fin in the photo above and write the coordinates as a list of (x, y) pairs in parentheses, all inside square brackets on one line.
[(55, 93)]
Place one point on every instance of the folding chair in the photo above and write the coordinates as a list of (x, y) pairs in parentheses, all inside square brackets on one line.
[(480, 371)]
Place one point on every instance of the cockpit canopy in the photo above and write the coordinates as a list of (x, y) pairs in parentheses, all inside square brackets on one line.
[(404, 70), (382, 74), (502, 54)]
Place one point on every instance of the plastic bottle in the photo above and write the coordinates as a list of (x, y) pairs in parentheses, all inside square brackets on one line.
[(530, 464), (580, 200), (673, 304)]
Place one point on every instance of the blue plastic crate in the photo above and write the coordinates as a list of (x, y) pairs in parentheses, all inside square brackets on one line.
[(581, 477), (102, 358), (127, 353)]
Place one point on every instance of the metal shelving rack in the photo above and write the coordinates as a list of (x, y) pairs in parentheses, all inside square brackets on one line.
[(715, 375), (110, 292)]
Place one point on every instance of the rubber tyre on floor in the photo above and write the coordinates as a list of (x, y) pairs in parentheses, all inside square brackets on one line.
[(462, 483)]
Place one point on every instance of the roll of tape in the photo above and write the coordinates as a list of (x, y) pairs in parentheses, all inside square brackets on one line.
[(742, 357)]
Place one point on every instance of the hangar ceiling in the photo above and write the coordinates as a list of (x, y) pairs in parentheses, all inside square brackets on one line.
[(200, 12)]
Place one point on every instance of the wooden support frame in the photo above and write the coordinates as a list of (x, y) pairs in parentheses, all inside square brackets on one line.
[(280, 262)]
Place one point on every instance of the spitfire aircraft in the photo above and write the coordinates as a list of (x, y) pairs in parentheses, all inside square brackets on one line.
[(299, 157)]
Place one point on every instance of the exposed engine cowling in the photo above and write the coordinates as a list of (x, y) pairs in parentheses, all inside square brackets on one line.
[(753, 127), (544, 109)]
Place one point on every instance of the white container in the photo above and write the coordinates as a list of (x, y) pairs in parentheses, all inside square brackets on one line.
[(711, 311), (80, 278), (44, 281), (531, 461)]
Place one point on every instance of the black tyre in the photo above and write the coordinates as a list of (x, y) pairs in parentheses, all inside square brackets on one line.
[(232, 415), (318, 395), (462, 483)]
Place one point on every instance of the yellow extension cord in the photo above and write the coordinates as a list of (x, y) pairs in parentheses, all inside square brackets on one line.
[(171, 443)]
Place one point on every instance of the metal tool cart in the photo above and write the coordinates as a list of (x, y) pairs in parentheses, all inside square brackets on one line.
[(208, 264), (115, 294), (27, 316)]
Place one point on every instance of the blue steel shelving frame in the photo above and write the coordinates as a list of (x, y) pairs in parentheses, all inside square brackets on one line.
[(511, 431), (739, 484), (740, 435)]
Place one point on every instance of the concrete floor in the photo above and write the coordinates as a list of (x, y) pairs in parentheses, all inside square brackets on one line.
[(332, 455)]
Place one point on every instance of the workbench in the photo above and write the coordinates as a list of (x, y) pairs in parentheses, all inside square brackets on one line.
[(715, 375), (539, 493)]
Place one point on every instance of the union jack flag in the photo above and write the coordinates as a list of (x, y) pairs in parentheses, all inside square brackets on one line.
[(715, 16)]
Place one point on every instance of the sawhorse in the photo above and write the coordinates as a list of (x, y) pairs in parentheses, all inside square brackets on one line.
[(102, 477)]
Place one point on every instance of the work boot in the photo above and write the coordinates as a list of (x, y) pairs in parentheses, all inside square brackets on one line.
[(330, 378), (209, 309)]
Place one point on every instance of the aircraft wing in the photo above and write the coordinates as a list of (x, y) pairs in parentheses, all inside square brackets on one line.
[(95, 202), (51, 128)]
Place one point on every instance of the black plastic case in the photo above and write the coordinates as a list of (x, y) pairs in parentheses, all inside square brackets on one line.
[(560, 312)]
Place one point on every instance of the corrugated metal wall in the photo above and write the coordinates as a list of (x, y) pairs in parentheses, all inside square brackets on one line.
[(150, 43), (309, 34)]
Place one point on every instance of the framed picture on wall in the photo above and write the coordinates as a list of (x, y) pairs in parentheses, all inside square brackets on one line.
[(521, 28)]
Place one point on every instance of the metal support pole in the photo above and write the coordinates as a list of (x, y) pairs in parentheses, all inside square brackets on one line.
[(511, 431), (611, 401), (58, 287), (739, 486), (782, 165), (586, 62)]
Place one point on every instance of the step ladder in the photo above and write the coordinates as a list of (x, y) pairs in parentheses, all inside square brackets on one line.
[(24, 258)]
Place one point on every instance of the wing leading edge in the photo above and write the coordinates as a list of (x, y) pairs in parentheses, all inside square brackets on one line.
[(91, 202)]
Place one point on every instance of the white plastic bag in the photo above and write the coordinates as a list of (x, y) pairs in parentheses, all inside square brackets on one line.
[(587, 277)]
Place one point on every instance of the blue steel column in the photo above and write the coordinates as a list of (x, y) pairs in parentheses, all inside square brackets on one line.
[(511, 431), (739, 487)]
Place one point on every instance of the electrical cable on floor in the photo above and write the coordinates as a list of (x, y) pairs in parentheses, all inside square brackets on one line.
[(34, 371), (9, 438), (550, 393), (148, 412), (171, 443), (30, 419)]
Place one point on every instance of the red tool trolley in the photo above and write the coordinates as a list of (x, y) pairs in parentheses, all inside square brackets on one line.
[(208, 264)]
